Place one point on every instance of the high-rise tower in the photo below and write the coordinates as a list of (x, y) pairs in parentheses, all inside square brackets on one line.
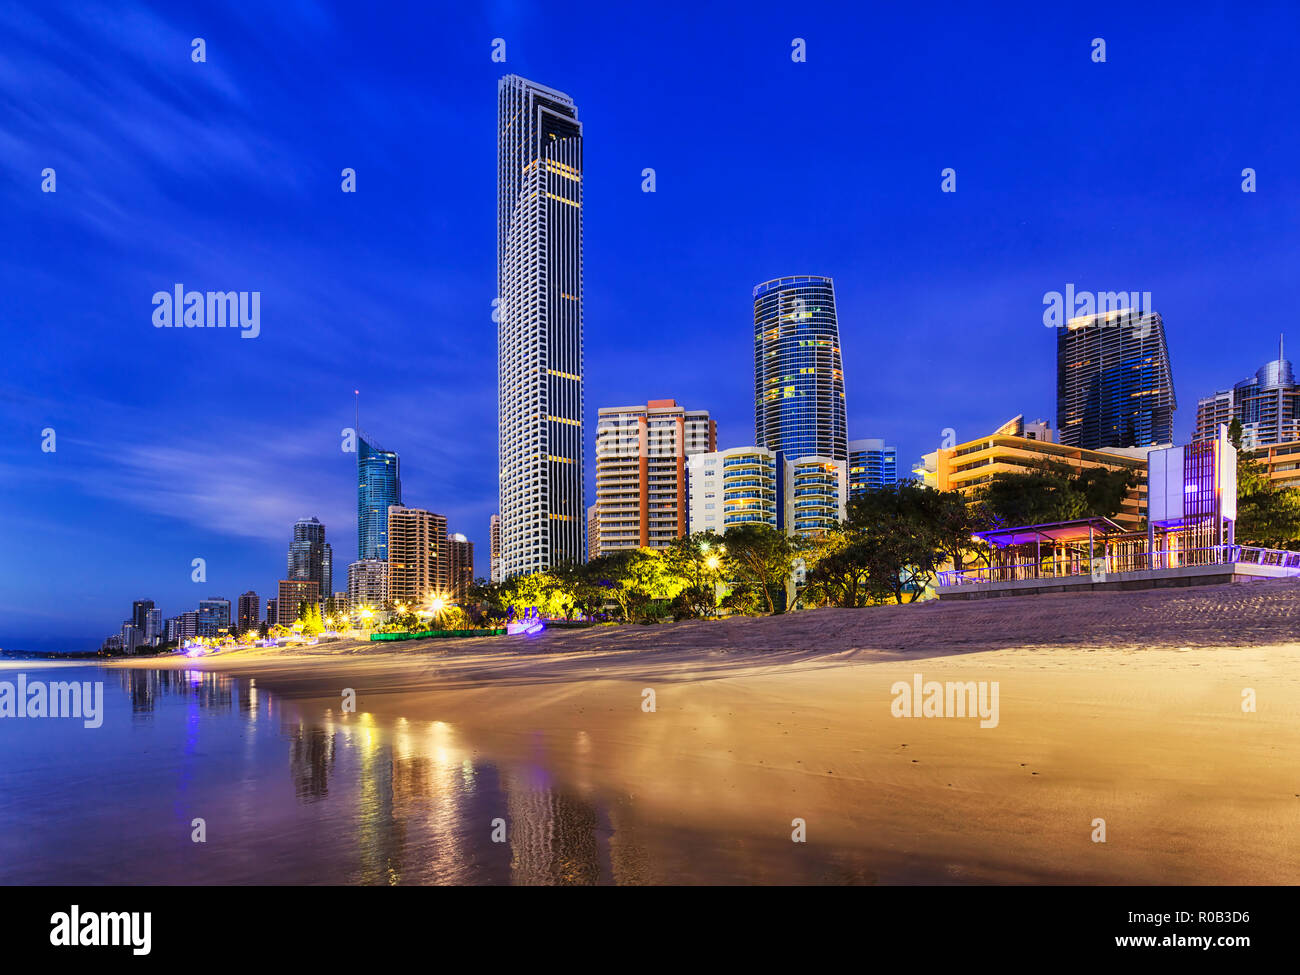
[(1114, 387), (310, 556), (379, 485), (539, 332), (799, 408)]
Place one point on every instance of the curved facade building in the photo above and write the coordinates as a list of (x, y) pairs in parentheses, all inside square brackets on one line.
[(799, 408), (1268, 406)]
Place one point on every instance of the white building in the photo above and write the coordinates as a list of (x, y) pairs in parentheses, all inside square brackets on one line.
[(814, 495), (732, 487), (539, 332), (367, 583)]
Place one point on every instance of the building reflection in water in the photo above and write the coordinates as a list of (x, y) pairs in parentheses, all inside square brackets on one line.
[(412, 802)]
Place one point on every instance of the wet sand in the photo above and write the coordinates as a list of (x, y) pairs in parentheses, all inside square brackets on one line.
[(1125, 707)]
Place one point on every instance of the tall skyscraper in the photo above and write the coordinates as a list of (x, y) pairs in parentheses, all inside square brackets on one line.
[(641, 489), (310, 556), (799, 408), (417, 557), (539, 333), (872, 465), (1114, 386), (249, 611), (140, 613), (494, 549), (379, 485), (1267, 404), (460, 567)]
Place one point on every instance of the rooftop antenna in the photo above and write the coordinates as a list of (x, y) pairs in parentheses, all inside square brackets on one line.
[(356, 423)]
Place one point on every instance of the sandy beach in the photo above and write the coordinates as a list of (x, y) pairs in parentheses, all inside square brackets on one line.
[(1124, 707)]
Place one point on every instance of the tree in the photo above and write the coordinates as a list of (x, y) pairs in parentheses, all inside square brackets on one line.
[(838, 575), (310, 619), (696, 562), (760, 558), (582, 589), (634, 578), (903, 533)]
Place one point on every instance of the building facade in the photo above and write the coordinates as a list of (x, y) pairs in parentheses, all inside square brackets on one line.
[(214, 616), (418, 568), (292, 595), (642, 495), (1267, 404), (153, 627), (379, 486), (872, 465), (310, 556), (539, 332), (799, 407), (966, 467), (460, 567), (368, 582), (814, 494), (494, 549), (732, 487), (249, 611), (1114, 385)]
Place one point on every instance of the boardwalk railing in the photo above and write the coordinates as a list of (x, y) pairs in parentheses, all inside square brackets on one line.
[(1079, 565)]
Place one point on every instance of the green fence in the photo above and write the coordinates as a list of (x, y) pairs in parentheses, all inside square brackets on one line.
[(436, 633)]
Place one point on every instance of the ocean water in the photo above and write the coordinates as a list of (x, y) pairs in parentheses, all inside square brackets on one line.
[(287, 800)]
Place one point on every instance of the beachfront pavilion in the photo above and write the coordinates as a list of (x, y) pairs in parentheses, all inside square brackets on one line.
[(1062, 548)]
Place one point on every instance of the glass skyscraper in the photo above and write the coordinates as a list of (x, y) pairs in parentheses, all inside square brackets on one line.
[(379, 485), (799, 408), (539, 331), (1114, 386), (310, 556)]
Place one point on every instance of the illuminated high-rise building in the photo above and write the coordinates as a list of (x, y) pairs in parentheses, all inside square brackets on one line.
[(379, 485), (1114, 386), (1267, 404), (872, 465), (539, 333), (494, 549), (250, 611), (641, 487), (418, 568), (799, 408), (460, 567), (310, 556)]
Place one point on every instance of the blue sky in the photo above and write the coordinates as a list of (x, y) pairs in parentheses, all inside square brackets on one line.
[(225, 175)]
